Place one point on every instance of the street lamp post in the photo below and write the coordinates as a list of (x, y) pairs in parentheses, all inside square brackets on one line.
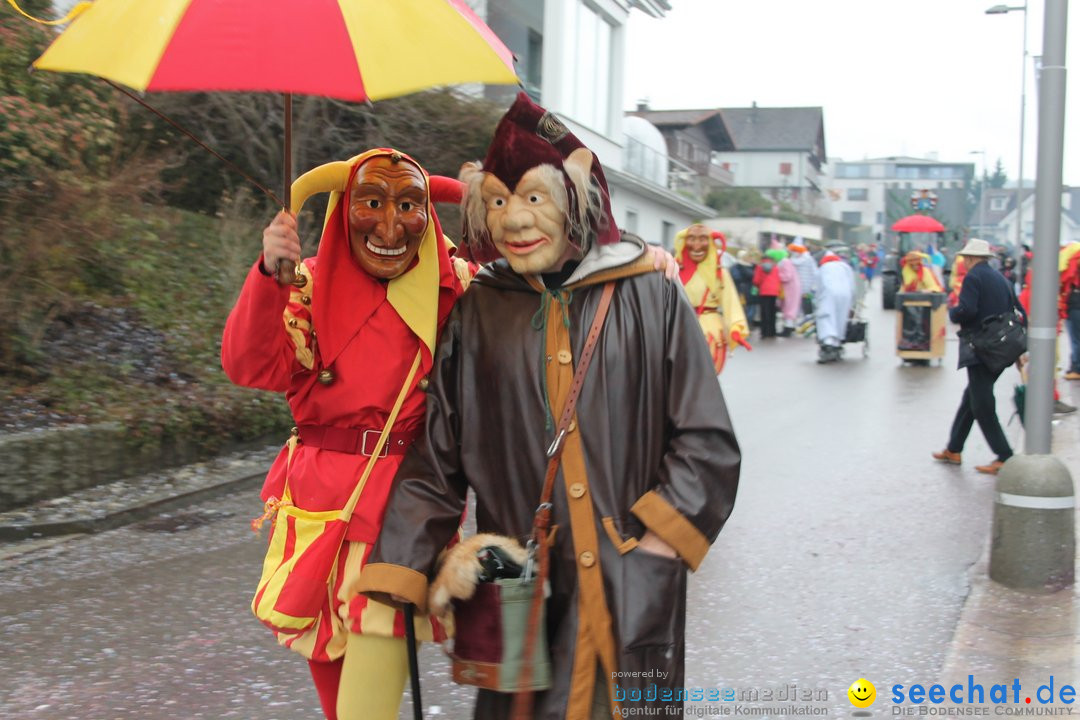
[(1001, 10)]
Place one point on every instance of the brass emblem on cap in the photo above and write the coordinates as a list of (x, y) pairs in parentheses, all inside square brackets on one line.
[(395, 157), (551, 128)]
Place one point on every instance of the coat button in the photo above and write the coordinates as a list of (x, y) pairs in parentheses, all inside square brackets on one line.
[(587, 559), (565, 357), (572, 426), (577, 490), (326, 376), (423, 384), (306, 299), (292, 322)]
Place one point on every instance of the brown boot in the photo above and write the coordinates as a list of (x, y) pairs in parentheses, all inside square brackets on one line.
[(947, 456), (991, 469)]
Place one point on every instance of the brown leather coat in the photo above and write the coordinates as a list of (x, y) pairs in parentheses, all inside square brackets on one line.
[(658, 452)]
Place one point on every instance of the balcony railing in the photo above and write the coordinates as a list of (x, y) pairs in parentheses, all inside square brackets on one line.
[(660, 169)]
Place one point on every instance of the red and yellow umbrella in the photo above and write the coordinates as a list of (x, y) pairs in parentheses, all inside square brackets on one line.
[(349, 49)]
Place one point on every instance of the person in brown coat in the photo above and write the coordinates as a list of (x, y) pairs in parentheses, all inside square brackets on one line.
[(650, 464)]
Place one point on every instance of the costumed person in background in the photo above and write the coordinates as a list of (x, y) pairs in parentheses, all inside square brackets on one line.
[(956, 280), (742, 273), (834, 296), (631, 517), (377, 293), (985, 293), (768, 286), (1064, 291), (916, 276), (807, 270), (711, 292), (1069, 303), (791, 303)]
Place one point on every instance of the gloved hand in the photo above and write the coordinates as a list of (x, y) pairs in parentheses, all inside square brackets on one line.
[(738, 338)]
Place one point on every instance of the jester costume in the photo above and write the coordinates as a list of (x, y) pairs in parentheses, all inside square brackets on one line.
[(712, 293), (916, 276), (340, 346)]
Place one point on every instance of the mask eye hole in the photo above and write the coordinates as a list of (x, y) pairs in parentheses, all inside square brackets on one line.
[(534, 198), (373, 204), (406, 206), (498, 202)]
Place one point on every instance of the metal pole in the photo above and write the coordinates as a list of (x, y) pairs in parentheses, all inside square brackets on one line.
[(1042, 326), (1020, 168)]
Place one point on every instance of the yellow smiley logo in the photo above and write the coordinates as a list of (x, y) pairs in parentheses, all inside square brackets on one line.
[(862, 693)]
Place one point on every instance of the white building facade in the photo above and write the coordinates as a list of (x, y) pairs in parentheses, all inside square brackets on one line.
[(570, 59), (875, 193)]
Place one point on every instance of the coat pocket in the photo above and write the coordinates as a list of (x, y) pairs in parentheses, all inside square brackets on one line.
[(652, 604)]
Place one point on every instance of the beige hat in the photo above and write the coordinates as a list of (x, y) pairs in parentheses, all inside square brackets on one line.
[(976, 248)]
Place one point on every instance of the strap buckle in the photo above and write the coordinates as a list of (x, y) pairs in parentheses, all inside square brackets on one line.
[(556, 444), (364, 444)]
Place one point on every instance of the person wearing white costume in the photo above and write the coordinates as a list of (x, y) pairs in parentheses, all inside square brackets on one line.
[(834, 294)]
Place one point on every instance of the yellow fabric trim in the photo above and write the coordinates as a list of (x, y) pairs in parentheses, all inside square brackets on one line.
[(454, 52), (672, 527), (1066, 254), (623, 546), (381, 580), (72, 14), (92, 44)]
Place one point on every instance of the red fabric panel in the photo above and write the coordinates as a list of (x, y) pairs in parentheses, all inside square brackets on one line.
[(298, 46), (481, 619)]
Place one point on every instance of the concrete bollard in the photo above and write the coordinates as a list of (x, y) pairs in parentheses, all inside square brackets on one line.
[(1033, 543)]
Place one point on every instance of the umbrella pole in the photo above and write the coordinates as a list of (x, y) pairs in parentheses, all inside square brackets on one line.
[(286, 270)]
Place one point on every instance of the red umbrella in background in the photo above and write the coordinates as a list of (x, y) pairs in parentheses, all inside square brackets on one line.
[(918, 223), (354, 50)]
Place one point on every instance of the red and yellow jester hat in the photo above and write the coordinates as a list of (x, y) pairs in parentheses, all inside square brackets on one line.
[(345, 295), (720, 240), (527, 136)]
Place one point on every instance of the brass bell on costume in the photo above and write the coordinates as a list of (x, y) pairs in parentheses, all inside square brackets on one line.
[(326, 376)]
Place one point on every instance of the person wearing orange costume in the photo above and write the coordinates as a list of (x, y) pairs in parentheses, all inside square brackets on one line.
[(378, 291), (916, 277), (956, 280), (711, 292)]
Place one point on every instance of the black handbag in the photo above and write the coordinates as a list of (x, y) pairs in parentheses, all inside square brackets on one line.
[(999, 341)]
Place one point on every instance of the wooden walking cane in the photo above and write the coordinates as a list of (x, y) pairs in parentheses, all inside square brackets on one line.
[(414, 664)]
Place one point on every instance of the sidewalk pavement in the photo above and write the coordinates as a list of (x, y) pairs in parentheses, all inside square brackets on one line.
[(1006, 634)]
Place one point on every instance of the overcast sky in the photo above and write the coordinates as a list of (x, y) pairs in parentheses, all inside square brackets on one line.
[(894, 78)]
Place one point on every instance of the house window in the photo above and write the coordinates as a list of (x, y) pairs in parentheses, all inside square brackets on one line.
[(851, 218), (999, 203), (879, 219), (785, 168), (631, 221), (858, 194), (667, 234), (592, 61)]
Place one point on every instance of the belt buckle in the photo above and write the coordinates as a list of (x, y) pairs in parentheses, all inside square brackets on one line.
[(364, 446)]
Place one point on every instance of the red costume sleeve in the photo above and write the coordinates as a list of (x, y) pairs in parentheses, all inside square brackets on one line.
[(255, 351)]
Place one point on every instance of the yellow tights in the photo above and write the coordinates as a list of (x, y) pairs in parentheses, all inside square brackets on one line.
[(372, 678)]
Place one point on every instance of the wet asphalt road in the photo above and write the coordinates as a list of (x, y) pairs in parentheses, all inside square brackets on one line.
[(846, 557)]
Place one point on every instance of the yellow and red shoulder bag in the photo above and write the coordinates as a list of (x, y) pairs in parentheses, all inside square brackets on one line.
[(304, 546)]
